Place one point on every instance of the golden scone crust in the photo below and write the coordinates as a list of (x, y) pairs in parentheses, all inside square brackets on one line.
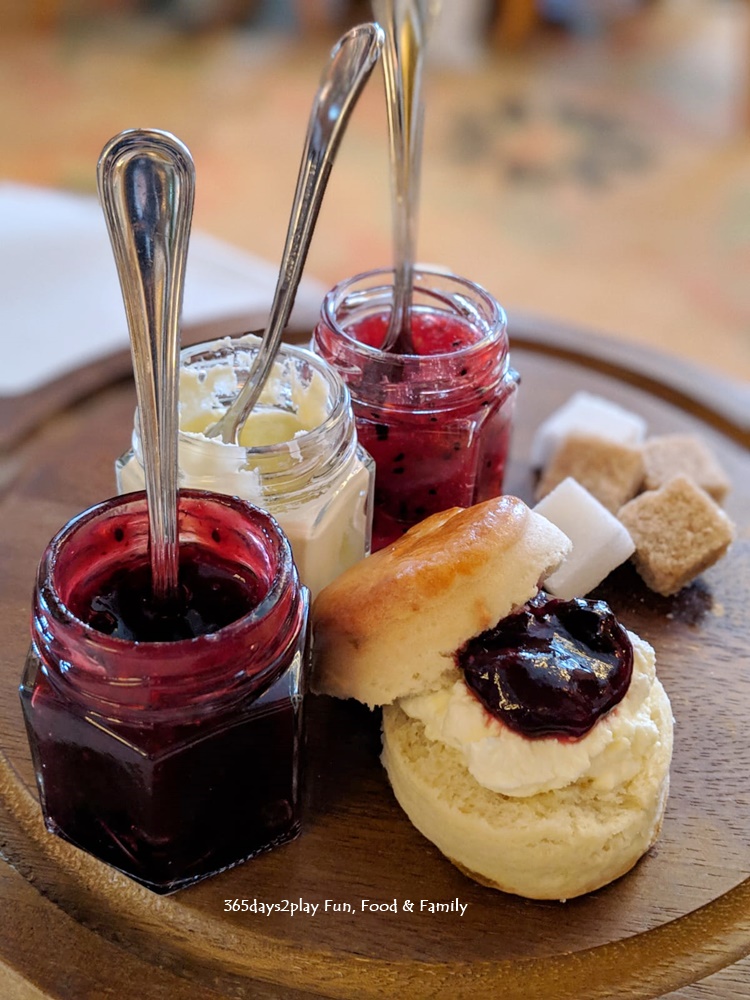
[(389, 626)]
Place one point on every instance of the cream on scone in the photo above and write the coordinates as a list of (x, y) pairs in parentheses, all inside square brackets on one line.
[(527, 738)]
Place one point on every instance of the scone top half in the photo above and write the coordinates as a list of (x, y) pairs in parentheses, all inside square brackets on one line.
[(390, 626)]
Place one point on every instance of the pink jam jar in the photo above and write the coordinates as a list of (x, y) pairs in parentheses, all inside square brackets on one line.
[(437, 421), (169, 746)]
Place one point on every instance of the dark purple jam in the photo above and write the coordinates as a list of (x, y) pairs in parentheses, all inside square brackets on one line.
[(168, 806), (169, 760), (552, 669), (212, 594)]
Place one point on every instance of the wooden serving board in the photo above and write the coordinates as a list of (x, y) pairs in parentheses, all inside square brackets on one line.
[(72, 928)]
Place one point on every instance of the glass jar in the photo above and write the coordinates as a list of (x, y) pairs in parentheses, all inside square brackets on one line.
[(298, 456), (437, 420), (169, 760)]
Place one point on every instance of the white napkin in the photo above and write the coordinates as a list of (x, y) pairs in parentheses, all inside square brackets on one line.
[(60, 300)]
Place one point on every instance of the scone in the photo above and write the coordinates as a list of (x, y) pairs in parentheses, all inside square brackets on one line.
[(576, 831), (532, 747), (389, 626)]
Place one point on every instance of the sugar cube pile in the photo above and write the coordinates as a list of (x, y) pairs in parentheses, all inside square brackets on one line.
[(619, 494)]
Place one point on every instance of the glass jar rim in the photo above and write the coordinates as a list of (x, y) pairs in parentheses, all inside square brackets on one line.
[(52, 600), (304, 438), (496, 326)]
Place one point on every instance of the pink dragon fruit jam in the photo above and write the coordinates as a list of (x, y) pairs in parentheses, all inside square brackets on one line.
[(437, 421)]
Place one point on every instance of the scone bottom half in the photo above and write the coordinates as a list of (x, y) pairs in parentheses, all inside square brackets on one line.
[(395, 631)]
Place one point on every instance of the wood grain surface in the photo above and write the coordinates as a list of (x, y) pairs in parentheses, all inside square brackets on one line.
[(677, 926)]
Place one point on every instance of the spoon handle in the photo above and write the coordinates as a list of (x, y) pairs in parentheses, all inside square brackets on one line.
[(406, 23), (146, 187), (351, 62)]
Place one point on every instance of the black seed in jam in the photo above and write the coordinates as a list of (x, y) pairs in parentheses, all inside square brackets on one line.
[(432, 491), (119, 534), (464, 371), (216, 535), (381, 432), (398, 470), (212, 594), (400, 457), (552, 669)]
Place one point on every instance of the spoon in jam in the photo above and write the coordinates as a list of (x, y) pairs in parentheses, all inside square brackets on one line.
[(351, 62), (406, 24), (146, 183)]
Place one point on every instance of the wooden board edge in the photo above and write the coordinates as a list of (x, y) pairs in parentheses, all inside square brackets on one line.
[(665, 958)]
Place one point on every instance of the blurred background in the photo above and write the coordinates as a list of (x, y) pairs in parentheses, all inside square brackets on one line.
[(588, 161)]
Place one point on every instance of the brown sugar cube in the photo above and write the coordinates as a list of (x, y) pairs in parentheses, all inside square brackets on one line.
[(672, 454), (678, 531), (609, 470)]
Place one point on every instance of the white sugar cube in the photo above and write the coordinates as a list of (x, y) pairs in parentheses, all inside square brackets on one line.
[(585, 413), (600, 541)]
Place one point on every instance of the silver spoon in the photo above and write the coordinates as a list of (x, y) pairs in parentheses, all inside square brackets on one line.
[(147, 186), (351, 63), (406, 24)]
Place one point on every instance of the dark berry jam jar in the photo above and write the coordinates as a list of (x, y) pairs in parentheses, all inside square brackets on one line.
[(437, 421), (169, 745)]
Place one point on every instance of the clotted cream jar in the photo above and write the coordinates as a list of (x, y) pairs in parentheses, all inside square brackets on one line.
[(298, 456)]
